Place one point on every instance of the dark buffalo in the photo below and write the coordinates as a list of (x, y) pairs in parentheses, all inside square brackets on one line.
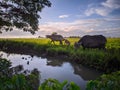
[(95, 41)]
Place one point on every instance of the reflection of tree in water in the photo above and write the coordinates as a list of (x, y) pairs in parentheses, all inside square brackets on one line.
[(1, 55), (54, 62), (85, 72), (16, 69), (20, 70), (30, 58)]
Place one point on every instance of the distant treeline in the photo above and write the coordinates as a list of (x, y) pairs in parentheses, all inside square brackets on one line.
[(64, 37), (77, 37), (73, 37)]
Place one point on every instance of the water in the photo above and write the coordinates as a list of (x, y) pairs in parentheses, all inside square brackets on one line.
[(53, 68)]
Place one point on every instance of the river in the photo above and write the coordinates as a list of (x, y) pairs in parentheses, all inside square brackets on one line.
[(53, 68)]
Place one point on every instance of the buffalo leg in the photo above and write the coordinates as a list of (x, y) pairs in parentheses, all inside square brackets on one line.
[(61, 42)]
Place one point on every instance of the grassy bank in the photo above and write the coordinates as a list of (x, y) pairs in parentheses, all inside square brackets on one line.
[(106, 60)]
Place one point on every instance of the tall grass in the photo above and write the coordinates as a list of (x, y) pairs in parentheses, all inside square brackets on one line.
[(105, 82), (106, 60)]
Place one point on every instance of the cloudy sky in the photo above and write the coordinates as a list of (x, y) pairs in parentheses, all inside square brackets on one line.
[(77, 18)]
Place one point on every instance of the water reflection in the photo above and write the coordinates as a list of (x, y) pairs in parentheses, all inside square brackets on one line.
[(54, 62), (52, 68), (85, 73)]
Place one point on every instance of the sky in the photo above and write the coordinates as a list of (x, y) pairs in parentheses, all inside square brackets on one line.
[(76, 18)]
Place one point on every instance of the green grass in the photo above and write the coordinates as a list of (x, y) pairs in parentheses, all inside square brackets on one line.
[(12, 80), (105, 82), (106, 60), (113, 43)]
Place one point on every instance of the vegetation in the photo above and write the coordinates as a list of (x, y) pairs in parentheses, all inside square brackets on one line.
[(22, 14), (53, 84), (106, 60), (105, 82), (10, 80)]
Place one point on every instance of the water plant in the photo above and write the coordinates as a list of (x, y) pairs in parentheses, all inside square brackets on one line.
[(105, 82), (53, 84), (15, 81)]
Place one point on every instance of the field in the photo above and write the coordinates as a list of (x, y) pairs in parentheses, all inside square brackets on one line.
[(111, 42), (107, 61)]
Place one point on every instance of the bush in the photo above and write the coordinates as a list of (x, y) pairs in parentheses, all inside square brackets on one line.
[(53, 84), (105, 82), (11, 81)]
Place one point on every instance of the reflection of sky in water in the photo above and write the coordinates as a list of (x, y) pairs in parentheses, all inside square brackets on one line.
[(63, 72)]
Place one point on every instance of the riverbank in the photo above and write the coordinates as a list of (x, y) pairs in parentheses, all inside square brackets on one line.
[(107, 61)]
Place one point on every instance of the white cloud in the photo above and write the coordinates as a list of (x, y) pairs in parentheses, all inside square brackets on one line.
[(113, 4), (63, 16), (82, 27), (16, 33), (106, 26), (100, 11), (104, 9), (90, 11)]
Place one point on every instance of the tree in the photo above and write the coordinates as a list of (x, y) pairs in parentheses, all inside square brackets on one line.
[(22, 14)]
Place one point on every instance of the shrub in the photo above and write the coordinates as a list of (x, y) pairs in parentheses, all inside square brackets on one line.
[(12, 81), (105, 82), (53, 84)]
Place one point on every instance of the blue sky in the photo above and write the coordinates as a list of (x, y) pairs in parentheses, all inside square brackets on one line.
[(77, 18)]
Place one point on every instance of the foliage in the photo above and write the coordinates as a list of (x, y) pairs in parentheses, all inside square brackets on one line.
[(17, 82), (21, 14), (4, 64), (53, 84), (105, 82), (4, 67), (52, 51), (13, 81)]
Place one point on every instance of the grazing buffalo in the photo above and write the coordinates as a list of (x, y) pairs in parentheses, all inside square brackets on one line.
[(55, 37), (95, 41)]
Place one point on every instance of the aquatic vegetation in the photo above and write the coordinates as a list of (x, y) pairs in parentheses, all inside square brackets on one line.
[(4, 67), (105, 82), (14, 81), (53, 84)]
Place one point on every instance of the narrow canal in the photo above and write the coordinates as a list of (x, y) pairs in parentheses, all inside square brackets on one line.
[(53, 68)]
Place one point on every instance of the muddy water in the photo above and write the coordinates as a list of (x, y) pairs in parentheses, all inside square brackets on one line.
[(53, 68)]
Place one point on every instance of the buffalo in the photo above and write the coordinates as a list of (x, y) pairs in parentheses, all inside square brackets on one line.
[(95, 41), (55, 37)]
